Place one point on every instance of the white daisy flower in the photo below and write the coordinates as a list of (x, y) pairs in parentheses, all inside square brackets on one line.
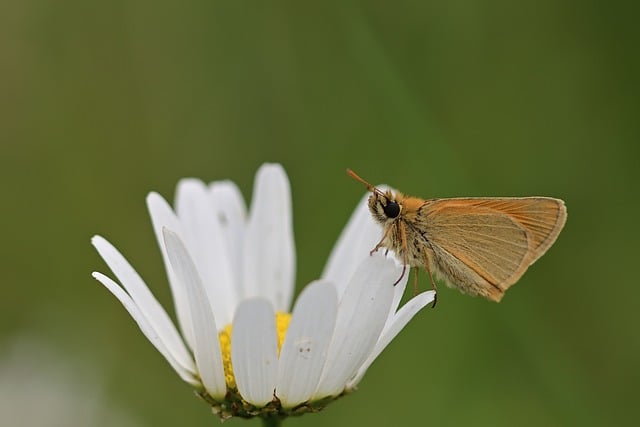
[(232, 278)]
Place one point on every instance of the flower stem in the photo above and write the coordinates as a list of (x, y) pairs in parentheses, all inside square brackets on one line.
[(271, 421)]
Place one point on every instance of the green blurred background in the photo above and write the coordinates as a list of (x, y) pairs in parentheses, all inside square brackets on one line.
[(102, 102)]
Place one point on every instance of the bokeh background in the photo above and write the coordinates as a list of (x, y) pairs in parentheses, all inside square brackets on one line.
[(102, 102)]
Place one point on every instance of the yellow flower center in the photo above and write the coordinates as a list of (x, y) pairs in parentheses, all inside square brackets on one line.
[(282, 323)]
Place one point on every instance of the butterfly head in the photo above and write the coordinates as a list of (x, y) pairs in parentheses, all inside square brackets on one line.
[(384, 206)]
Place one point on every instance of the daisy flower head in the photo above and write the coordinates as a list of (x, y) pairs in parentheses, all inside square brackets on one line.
[(232, 272)]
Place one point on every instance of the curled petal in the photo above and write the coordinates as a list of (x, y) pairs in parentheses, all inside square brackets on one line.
[(206, 345)]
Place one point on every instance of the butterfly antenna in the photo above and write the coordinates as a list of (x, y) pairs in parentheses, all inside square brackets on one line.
[(370, 187)]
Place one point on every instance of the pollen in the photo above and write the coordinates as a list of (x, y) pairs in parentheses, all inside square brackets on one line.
[(282, 324)]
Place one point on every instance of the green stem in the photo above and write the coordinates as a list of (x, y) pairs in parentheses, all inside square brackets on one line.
[(271, 421)]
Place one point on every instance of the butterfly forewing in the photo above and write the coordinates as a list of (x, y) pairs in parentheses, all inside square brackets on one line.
[(497, 238), (542, 217)]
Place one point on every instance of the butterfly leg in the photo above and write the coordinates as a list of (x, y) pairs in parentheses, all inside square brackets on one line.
[(415, 281), (403, 242), (433, 283), (381, 243)]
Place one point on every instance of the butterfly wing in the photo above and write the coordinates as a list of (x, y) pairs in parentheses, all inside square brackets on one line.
[(484, 245)]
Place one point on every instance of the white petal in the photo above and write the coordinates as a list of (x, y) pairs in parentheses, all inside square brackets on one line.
[(361, 316), (254, 351), (163, 217), (398, 292), (205, 240), (206, 345), (358, 238), (145, 301), (231, 214), (146, 327), (305, 346), (392, 329), (269, 263)]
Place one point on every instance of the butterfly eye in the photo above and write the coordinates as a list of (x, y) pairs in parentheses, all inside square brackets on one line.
[(392, 209)]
